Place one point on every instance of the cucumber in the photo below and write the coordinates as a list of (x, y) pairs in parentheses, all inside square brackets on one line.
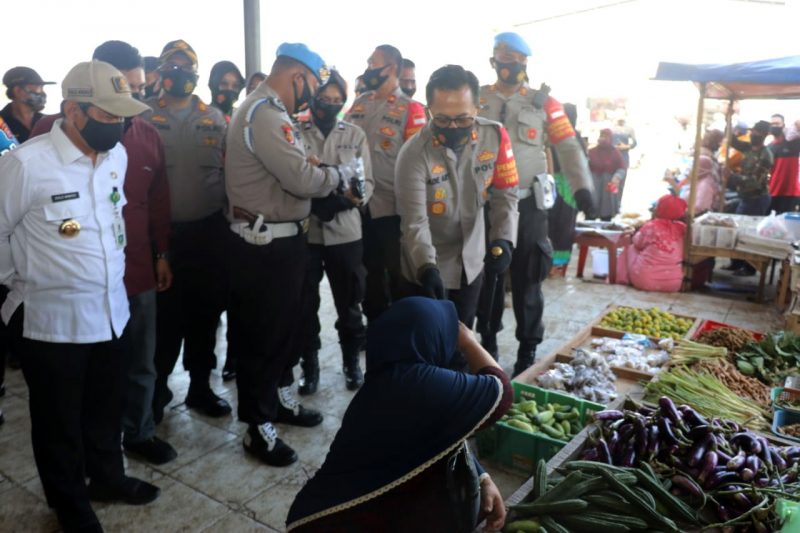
[(527, 407), (593, 467), (526, 526), (631, 522), (637, 501), (563, 489), (646, 496), (564, 506), (673, 504), (540, 481), (518, 424), (576, 490), (565, 427), (580, 524), (615, 504), (552, 526), (553, 432), (545, 416), (572, 415)]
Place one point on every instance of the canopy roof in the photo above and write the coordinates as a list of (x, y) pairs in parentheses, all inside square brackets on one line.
[(768, 78)]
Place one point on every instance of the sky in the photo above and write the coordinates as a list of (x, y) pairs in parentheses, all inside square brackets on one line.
[(609, 51)]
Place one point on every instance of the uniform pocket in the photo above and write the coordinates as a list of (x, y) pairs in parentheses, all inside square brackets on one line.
[(541, 260), (65, 210), (530, 127)]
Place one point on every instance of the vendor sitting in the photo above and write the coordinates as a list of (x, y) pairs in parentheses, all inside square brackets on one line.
[(708, 175), (654, 261)]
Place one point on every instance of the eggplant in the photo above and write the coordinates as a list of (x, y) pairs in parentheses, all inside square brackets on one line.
[(722, 513), (641, 439), (609, 415), (693, 418), (669, 410), (591, 454), (791, 450), (777, 460), (789, 477), (746, 441), (719, 478), (747, 474), (760, 527), (698, 432), (652, 440), (687, 485), (764, 453), (723, 456), (629, 454), (646, 411), (709, 464), (753, 463), (761, 482), (665, 428), (737, 462), (604, 455), (699, 451)]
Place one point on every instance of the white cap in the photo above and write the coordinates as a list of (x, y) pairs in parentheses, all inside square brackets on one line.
[(100, 84)]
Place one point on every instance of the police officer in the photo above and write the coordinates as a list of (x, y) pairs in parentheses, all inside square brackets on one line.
[(269, 182), (226, 83), (389, 118), (334, 238), (408, 78), (194, 136), (534, 121), (445, 175)]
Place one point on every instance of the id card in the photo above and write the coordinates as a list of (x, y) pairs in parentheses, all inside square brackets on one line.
[(118, 228)]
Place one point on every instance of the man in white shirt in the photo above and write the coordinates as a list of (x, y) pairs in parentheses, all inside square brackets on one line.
[(62, 241)]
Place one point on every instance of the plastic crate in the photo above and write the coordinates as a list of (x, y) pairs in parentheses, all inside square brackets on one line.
[(782, 418), (518, 450), (780, 395)]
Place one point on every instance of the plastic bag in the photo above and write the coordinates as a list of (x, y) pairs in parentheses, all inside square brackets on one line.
[(773, 227)]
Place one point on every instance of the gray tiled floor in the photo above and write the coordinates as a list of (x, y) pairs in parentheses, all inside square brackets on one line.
[(214, 487)]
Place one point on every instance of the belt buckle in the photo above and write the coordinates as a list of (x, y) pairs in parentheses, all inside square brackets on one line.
[(305, 224)]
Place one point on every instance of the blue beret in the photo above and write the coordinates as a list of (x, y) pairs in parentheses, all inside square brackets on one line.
[(312, 60), (513, 41)]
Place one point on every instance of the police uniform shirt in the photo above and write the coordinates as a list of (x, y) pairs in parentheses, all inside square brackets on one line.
[(344, 143), (194, 147), (442, 197), (388, 124), (532, 129), (71, 282), (266, 167)]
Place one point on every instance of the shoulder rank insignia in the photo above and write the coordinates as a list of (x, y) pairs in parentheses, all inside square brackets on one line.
[(288, 133)]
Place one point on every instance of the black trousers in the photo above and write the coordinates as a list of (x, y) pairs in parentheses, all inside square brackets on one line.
[(5, 341), (382, 261), (190, 310), (346, 275), (76, 407), (263, 319), (530, 266)]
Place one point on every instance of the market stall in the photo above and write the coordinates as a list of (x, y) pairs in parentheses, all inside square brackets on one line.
[(766, 79), (701, 409)]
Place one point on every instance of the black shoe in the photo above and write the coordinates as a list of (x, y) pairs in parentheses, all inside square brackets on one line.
[(13, 361), (132, 491), (291, 412), (263, 442), (78, 523), (525, 359), (152, 450), (353, 376), (744, 272), (160, 402), (208, 403), (489, 343), (309, 382), (229, 370)]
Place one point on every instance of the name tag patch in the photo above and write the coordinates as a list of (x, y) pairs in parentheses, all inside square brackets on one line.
[(65, 196)]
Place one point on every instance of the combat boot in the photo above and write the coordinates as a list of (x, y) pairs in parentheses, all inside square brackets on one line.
[(489, 343), (525, 357), (309, 381), (353, 376)]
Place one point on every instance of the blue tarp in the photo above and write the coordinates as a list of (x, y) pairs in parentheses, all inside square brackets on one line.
[(768, 78)]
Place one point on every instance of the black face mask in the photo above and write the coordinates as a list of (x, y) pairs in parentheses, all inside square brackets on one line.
[(756, 140), (325, 113), (178, 83), (225, 99), (302, 100), (36, 101), (453, 138), (373, 78), (101, 137), (510, 73), (776, 131), (149, 90), (409, 91)]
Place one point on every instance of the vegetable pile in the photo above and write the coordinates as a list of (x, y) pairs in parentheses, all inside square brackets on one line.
[(725, 472), (653, 322), (770, 359), (631, 353), (561, 422), (594, 496), (733, 339), (706, 393), (587, 376), (737, 382), (792, 430), (686, 352)]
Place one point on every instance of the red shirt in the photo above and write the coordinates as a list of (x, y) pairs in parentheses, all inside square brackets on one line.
[(785, 180), (147, 219)]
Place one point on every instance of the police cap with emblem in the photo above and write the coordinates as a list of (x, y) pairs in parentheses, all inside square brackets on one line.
[(513, 41), (302, 54), (102, 85)]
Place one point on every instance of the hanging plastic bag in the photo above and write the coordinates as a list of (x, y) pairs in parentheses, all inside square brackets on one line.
[(773, 227)]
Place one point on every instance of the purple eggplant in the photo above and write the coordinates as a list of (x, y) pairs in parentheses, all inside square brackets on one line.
[(629, 454), (764, 453), (737, 462), (777, 460), (646, 411), (692, 417), (698, 432), (709, 464), (762, 482), (687, 485), (604, 455), (722, 513), (747, 474), (641, 440), (591, 454), (753, 463), (789, 477), (699, 451), (669, 410), (747, 441), (723, 456), (609, 415), (665, 427), (720, 478), (652, 440), (741, 501)]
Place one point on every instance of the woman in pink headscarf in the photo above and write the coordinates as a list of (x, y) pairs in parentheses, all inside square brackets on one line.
[(654, 261), (608, 170)]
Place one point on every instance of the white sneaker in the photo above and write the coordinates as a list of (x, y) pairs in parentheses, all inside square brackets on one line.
[(268, 434), (288, 400)]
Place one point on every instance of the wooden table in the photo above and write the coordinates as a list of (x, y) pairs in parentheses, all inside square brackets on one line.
[(608, 240), (761, 263)]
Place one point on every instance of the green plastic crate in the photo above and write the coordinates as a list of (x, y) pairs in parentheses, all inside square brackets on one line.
[(518, 450)]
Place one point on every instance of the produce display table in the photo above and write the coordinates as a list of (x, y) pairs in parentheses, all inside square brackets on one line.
[(698, 254), (610, 240)]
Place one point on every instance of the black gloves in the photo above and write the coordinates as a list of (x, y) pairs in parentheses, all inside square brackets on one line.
[(326, 208), (585, 203), (432, 284), (498, 257)]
